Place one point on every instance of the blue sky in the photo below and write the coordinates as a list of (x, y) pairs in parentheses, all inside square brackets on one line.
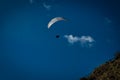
[(31, 51)]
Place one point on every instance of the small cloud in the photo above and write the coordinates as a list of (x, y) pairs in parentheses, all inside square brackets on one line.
[(85, 41), (31, 1), (48, 7), (71, 39), (107, 20)]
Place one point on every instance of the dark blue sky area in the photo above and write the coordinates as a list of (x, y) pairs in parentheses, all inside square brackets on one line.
[(31, 51)]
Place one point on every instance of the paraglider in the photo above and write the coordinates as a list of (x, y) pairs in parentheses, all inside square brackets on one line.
[(57, 36), (54, 20)]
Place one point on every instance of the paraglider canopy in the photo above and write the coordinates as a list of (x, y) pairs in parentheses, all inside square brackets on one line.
[(54, 20)]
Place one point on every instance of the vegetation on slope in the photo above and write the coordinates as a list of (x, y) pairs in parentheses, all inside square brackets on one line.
[(107, 71)]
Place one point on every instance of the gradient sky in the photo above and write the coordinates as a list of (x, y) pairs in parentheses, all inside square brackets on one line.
[(30, 51)]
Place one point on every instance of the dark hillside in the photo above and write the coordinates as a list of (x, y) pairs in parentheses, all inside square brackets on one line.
[(107, 71)]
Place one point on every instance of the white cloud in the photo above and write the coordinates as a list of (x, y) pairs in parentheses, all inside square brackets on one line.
[(31, 1), (107, 20), (85, 41), (71, 39), (48, 7)]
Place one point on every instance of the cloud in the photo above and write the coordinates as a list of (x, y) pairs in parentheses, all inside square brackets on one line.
[(107, 20), (85, 41), (71, 39), (48, 7), (31, 1)]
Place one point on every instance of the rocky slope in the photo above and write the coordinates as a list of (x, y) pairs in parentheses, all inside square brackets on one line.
[(107, 71)]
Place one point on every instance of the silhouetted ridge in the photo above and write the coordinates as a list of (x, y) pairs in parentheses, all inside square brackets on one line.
[(107, 71)]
